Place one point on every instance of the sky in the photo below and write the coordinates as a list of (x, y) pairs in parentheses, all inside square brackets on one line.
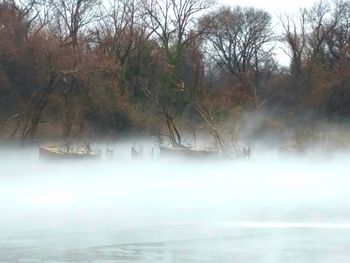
[(273, 6)]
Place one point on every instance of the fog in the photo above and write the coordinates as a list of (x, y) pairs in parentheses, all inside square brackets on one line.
[(265, 209)]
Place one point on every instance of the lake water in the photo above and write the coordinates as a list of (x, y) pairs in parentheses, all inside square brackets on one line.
[(265, 209)]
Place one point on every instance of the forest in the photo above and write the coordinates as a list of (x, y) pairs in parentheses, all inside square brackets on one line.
[(174, 68)]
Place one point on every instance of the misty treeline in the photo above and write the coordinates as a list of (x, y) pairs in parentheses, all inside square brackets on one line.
[(73, 68)]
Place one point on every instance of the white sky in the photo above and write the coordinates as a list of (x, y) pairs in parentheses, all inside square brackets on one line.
[(275, 7)]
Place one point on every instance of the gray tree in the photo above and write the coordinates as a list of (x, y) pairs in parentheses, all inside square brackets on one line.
[(239, 39)]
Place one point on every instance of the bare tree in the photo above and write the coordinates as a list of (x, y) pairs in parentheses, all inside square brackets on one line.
[(72, 16), (238, 39), (295, 37), (338, 39), (173, 25), (173, 21), (322, 21), (310, 38), (117, 32)]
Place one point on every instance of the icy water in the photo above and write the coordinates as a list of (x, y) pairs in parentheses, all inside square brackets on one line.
[(262, 210)]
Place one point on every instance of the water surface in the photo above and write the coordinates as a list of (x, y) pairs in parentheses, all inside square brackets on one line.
[(117, 210)]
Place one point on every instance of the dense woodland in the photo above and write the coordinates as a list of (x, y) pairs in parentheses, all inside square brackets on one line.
[(75, 68)]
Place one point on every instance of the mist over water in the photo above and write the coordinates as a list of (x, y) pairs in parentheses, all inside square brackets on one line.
[(266, 209)]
